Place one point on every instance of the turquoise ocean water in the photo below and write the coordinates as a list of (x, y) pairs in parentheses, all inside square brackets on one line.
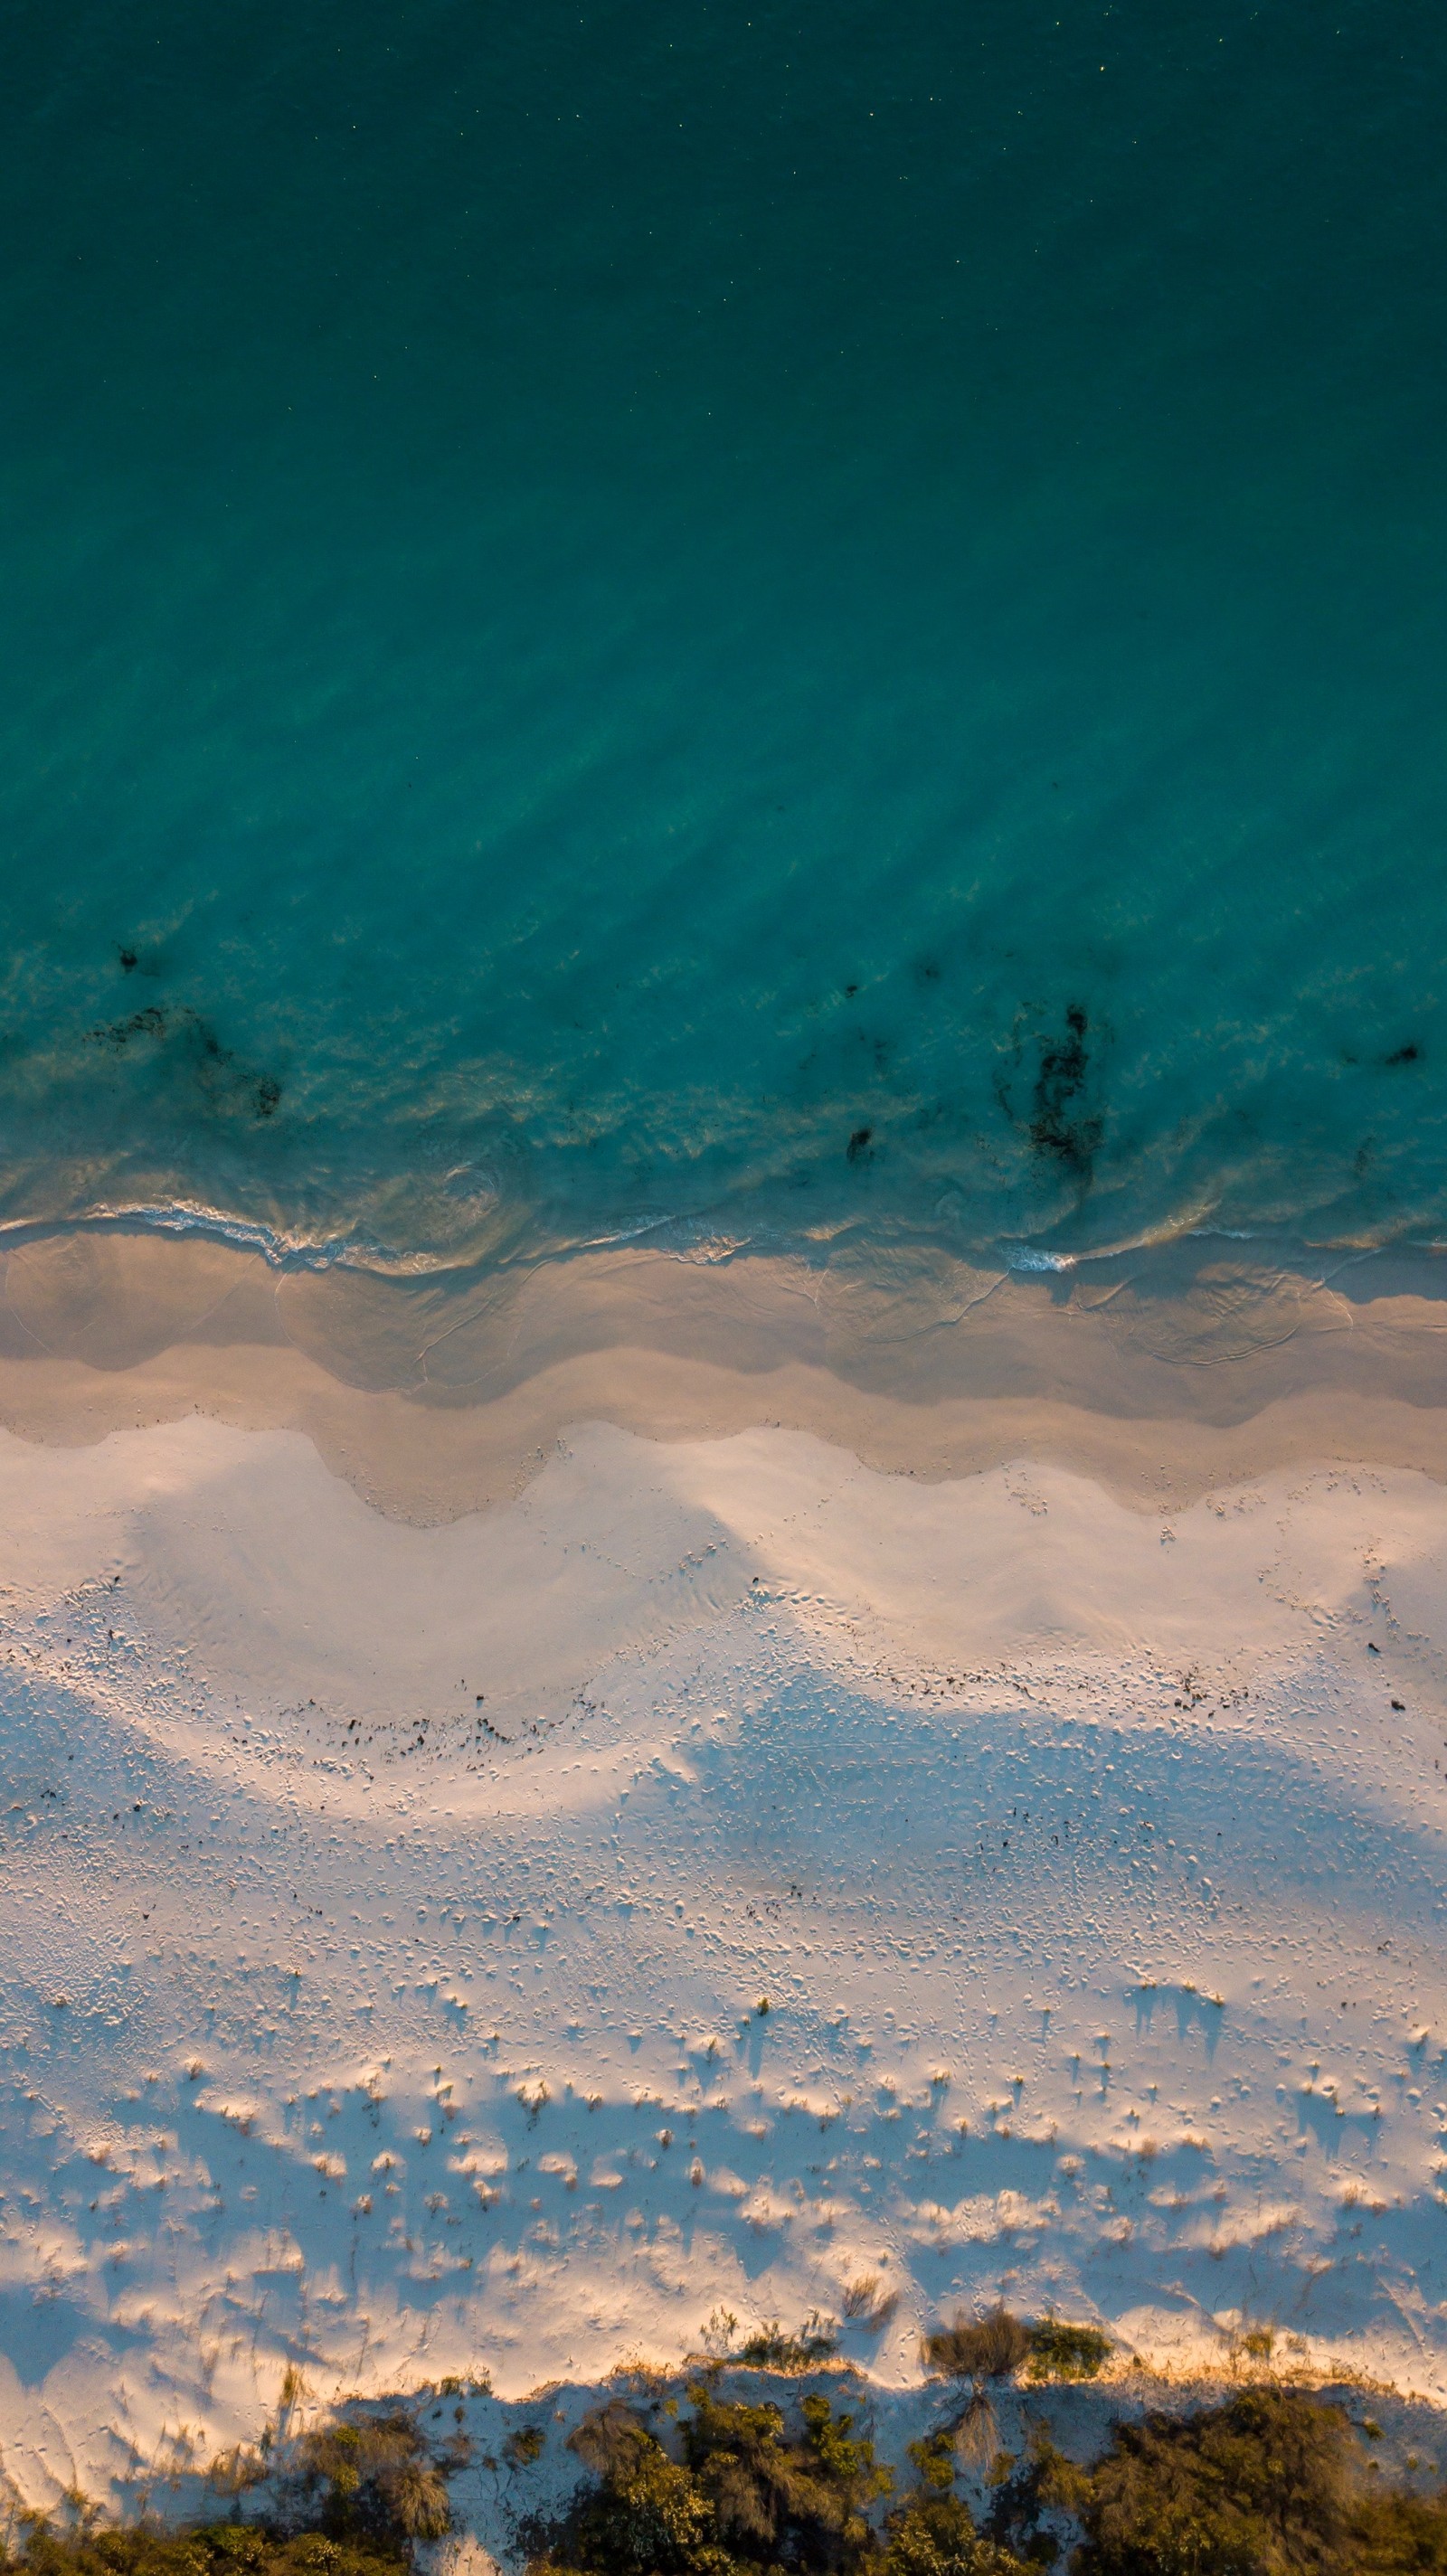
[(821, 624)]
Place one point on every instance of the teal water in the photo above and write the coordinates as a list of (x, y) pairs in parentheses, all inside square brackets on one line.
[(816, 624)]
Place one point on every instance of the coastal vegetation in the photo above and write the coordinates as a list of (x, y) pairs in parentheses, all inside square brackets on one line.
[(724, 2479), (1270, 2483), (350, 2497), (217, 2549)]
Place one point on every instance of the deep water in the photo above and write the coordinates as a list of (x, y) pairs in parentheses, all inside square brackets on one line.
[(828, 622)]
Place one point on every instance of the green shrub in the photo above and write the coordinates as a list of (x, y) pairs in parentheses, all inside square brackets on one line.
[(745, 2495), (647, 2515), (990, 2347), (769, 2348), (749, 2498), (1025, 2490), (1261, 2484), (933, 2458), (803, 2501), (524, 2446), (221, 2549), (372, 2477), (1266, 2485), (1060, 2351), (1400, 2535), (933, 2535)]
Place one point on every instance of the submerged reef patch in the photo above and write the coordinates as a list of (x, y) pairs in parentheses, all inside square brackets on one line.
[(227, 1086), (1062, 1120)]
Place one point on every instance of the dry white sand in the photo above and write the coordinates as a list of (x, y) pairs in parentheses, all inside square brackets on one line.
[(388, 1909)]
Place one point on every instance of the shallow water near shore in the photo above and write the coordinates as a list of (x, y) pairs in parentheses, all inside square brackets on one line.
[(836, 641)]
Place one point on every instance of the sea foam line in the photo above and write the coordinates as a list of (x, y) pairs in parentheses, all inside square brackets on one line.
[(285, 1251), (245, 1234)]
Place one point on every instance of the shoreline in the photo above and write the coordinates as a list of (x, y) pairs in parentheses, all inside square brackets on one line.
[(1180, 1371)]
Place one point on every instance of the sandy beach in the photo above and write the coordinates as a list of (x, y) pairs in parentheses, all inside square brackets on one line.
[(723, 1292), (535, 1816)]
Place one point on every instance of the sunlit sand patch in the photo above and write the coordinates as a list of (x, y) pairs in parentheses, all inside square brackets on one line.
[(983, 1887)]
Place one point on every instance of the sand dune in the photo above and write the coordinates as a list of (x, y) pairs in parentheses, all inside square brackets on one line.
[(389, 1913)]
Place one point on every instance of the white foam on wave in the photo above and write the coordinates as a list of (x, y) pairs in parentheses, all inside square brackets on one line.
[(282, 1249)]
